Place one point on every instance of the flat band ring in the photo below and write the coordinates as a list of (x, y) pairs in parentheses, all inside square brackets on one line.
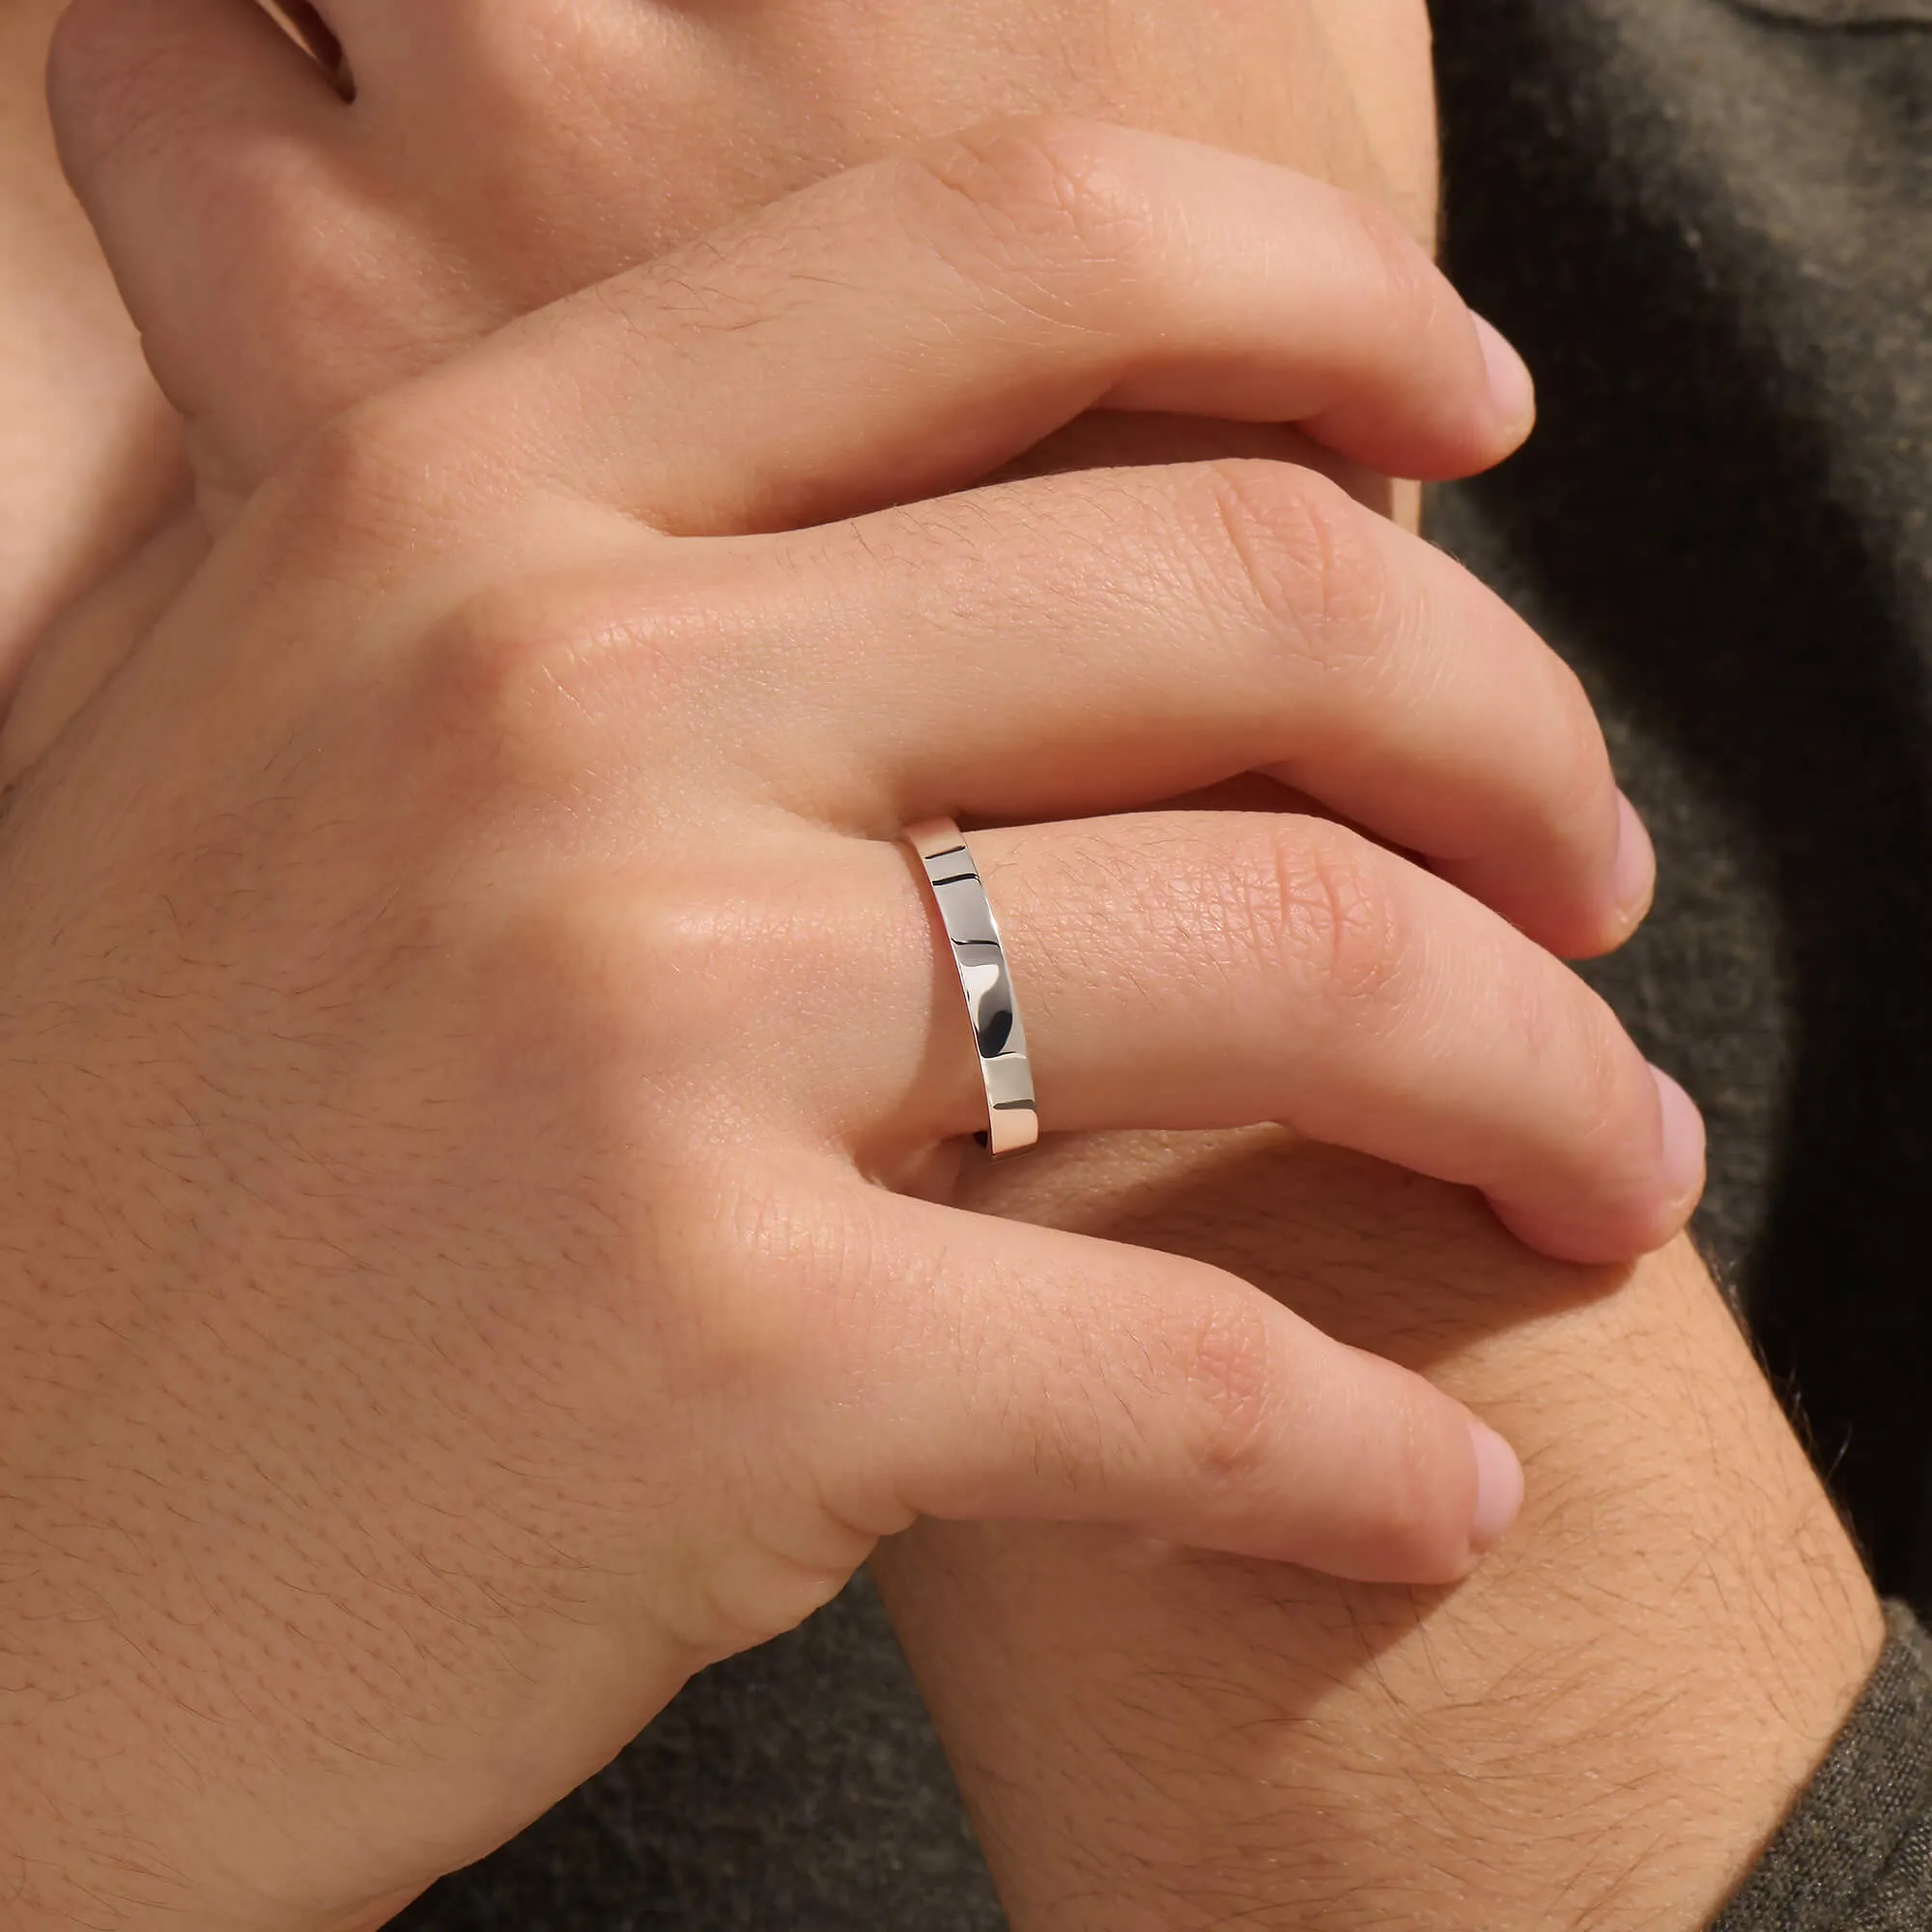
[(1012, 1115)]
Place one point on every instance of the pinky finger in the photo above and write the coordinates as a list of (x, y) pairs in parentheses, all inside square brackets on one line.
[(1012, 1371)]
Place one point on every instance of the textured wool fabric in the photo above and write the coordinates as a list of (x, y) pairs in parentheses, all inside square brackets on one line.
[(1711, 232), (1709, 224)]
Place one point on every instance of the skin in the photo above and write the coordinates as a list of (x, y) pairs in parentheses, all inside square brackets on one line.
[(1224, 1647), (89, 449), (510, 1313), (1600, 1729), (345, 308), (250, 191)]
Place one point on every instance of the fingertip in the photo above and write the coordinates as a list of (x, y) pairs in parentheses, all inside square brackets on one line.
[(1636, 873), (1500, 1488), (1454, 1494), (1649, 1214), (1512, 387), (1476, 416), (1685, 1146), (1680, 1156), (1633, 891)]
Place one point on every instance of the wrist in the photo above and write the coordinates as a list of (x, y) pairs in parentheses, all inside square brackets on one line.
[(1603, 1726)]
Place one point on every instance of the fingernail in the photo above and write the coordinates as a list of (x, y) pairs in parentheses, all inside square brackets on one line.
[(1512, 387), (1636, 864), (1499, 1488), (1683, 1140)]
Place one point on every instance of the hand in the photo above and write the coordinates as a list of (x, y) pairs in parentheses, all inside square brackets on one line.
[(289, 255), (258, 346), (462, 997), (1602, 1728)]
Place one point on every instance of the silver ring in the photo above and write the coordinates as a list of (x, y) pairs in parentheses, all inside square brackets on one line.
[(1012, 1115)]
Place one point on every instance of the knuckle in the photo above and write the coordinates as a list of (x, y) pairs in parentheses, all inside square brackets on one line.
[(365, 482), (1581, 780), (1039, 209), (1409, 291), (1601, 1092), (1616, 1095), (1228, 1351), (1303, 557), (1543, 1015), (491, 711), (1320, 910), (1416, 1522)]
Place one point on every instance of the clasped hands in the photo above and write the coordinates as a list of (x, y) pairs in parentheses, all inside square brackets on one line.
[(474, 912)]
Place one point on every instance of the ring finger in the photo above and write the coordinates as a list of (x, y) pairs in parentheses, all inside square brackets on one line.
[(1187, 970)]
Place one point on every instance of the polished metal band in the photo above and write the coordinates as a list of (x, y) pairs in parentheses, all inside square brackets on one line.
[(1012, 1118)]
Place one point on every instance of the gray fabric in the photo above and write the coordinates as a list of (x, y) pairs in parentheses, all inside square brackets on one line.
[(1858, 1854), (1844, 12), (1707, 223), (1712, 234)]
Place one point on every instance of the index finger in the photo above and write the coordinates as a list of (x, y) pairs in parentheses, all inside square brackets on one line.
[(912, 325)]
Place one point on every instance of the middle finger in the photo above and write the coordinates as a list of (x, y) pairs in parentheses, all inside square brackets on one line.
[(913, 324), (1086, 643)]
